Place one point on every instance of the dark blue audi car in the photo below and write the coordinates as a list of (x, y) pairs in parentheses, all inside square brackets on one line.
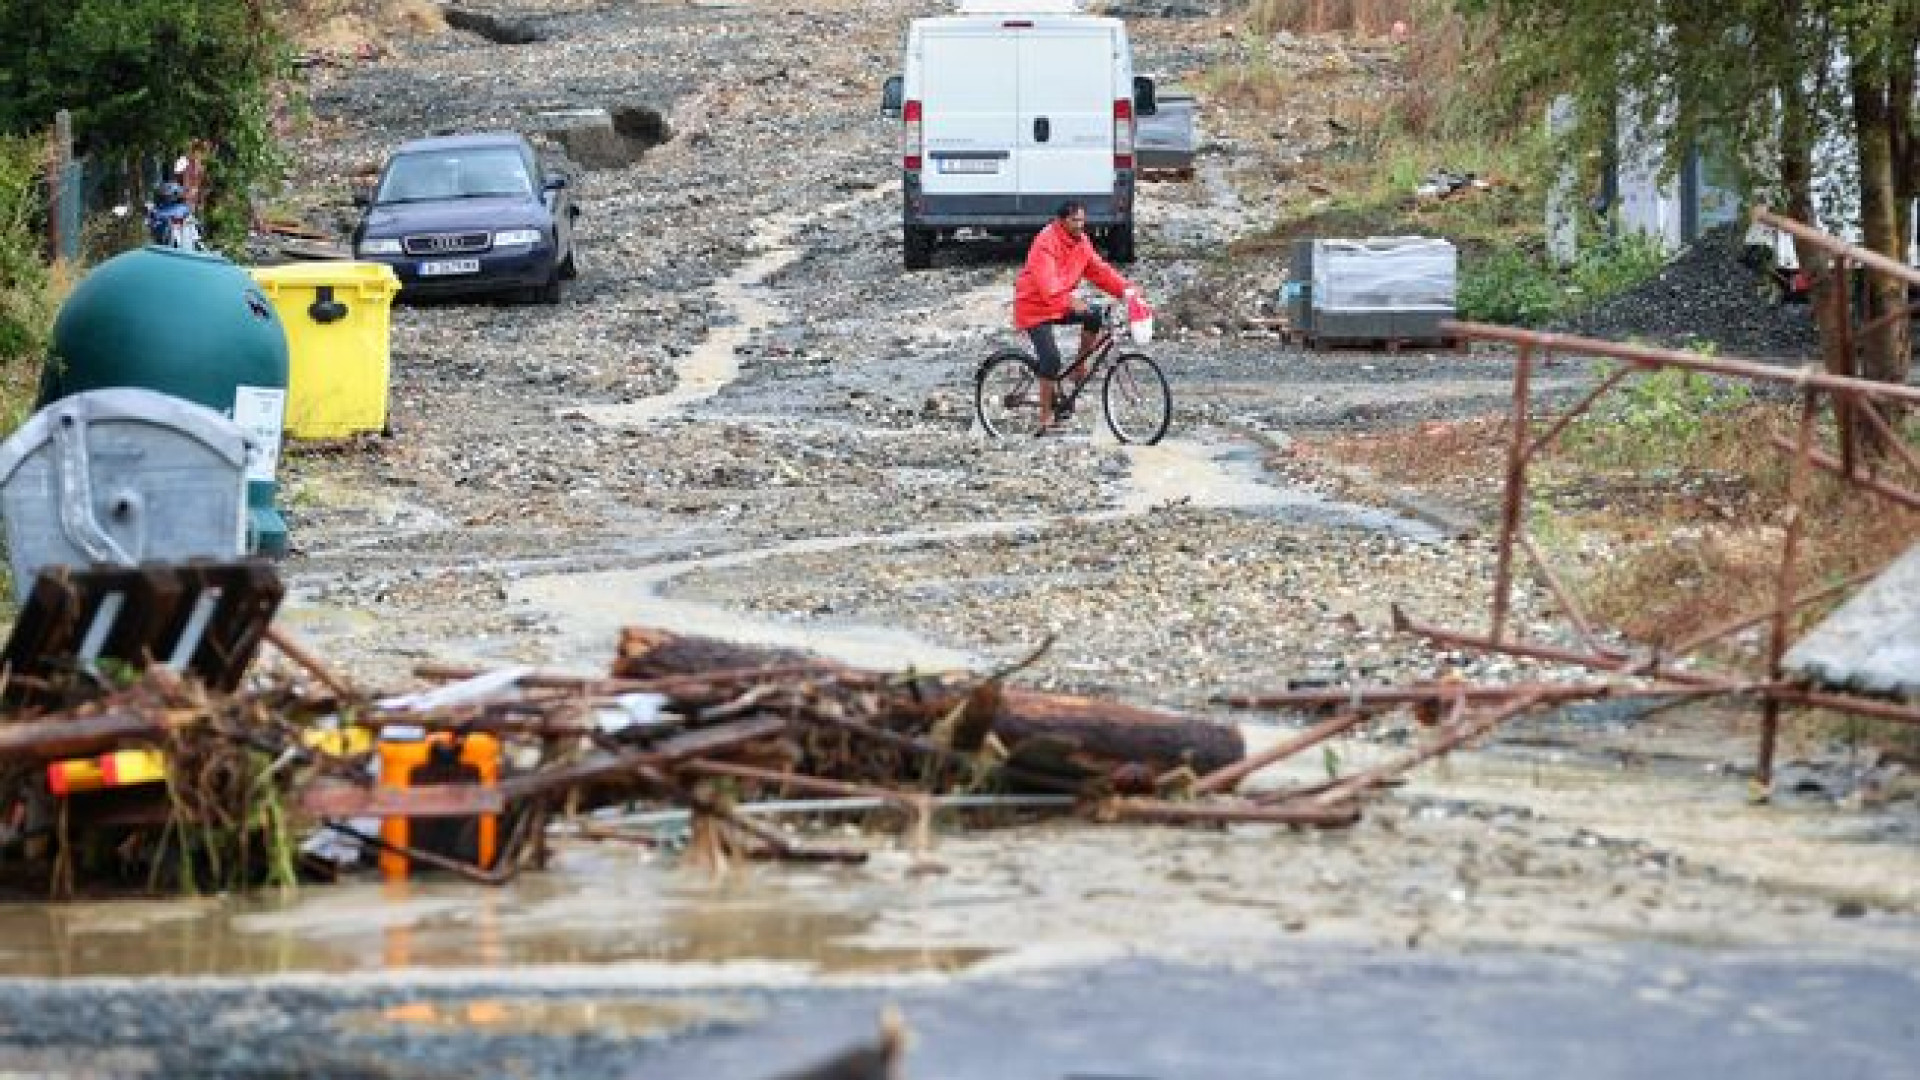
[(470, 214)]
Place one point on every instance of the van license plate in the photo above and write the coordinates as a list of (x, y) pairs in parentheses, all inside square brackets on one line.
[(449, 266), (969, 165)]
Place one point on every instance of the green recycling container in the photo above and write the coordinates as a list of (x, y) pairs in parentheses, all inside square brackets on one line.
[(192, 325)]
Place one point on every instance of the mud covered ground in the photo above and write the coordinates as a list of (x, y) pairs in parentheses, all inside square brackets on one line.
[(744, 419)]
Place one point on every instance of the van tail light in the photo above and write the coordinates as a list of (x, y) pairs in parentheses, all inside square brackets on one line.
[(1122, 133), (910, 145)]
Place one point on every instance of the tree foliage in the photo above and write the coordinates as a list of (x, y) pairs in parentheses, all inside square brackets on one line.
[(24, 314), (150, 79), (1779, 82)]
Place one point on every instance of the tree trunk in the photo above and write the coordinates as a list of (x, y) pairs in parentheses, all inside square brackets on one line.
[(1905, 128), (1886, 342), (1796, 177)]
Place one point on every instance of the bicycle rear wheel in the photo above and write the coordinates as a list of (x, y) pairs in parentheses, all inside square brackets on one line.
[(1136, 399), (1006, 394)]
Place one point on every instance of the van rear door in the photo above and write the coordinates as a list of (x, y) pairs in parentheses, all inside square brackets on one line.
[(970, 100), (1066, 110)]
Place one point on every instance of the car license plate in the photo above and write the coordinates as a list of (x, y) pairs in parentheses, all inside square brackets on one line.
[(969, 165), (449, 266)]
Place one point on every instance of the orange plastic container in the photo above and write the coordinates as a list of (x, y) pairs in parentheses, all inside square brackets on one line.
[(441, 757)]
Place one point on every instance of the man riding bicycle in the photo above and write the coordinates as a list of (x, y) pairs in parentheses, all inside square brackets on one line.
[(1043, 297)]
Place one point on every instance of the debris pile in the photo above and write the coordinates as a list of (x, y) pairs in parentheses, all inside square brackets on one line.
[(1707, 297), (155, 779)]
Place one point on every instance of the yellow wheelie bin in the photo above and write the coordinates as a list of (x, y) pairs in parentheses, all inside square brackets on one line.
[(338, 317)]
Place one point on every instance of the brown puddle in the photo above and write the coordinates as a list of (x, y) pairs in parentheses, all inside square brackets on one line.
[(592, 907)]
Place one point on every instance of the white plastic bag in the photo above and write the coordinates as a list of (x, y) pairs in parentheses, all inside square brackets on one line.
[(1139, 318)]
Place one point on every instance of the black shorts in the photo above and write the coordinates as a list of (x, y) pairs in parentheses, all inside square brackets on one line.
[(1046, 351)]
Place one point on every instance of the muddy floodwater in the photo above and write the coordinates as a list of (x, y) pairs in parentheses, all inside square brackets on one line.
[(1543, 847)]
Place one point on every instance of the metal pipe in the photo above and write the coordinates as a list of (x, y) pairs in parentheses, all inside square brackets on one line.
[(499, 875), (1456, 732), (1783, 584), (1515, 492), (1372, 698), (1843, 352), (1733, 626), (1880, 321), (648, 819), (1645, 356), (1887, 434), (802, 782), (1553, 432), (1834, 245), (1884, 710), (1892, 492), (1617, 664), (1153, 811), (1565, 598), (1230, 776)]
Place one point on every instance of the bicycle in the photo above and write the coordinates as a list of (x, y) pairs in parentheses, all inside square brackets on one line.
[(1134, 395)]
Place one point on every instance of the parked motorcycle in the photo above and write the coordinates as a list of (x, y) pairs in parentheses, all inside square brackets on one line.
[(170, 220)]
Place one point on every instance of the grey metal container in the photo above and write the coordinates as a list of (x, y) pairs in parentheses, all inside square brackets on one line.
[(1382, 288), (118, 477)]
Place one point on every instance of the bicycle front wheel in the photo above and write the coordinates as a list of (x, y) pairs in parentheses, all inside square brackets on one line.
[(1005, 393), (1136, 399)]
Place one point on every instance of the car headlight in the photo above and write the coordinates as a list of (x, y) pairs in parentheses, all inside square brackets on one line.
[(516, 238), (379, 247)]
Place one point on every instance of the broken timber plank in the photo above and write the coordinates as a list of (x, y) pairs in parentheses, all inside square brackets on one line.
[(340, 799), (79, 736), (668, 752)]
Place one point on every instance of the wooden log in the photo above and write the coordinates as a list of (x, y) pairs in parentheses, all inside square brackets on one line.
[(647, 653), (68, 736), (1095, 732), (1112, 731)]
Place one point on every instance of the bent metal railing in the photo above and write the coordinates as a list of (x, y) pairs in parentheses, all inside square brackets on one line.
[(1471, 711)]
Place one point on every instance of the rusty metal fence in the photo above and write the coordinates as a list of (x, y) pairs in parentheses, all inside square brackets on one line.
[(1464, 712), (80, 187)]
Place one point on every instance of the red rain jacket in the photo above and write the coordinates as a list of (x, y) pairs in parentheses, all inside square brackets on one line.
[(1056, 263)]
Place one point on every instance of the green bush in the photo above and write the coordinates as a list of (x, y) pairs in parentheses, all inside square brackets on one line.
[(1517, 288), (1661, 416), (1614, 266), (149, 79), (24, 307), (1509, 287)]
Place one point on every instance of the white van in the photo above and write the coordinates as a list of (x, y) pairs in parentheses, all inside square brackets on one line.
[(1007, 114)]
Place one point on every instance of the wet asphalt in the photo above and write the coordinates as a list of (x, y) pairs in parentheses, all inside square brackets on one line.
[(1639, 1013)]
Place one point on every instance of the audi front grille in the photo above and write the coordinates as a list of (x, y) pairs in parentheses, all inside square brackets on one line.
[(447, 243)]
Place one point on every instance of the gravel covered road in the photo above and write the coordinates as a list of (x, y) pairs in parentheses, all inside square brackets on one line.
[(745, 419), (756, 253)]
